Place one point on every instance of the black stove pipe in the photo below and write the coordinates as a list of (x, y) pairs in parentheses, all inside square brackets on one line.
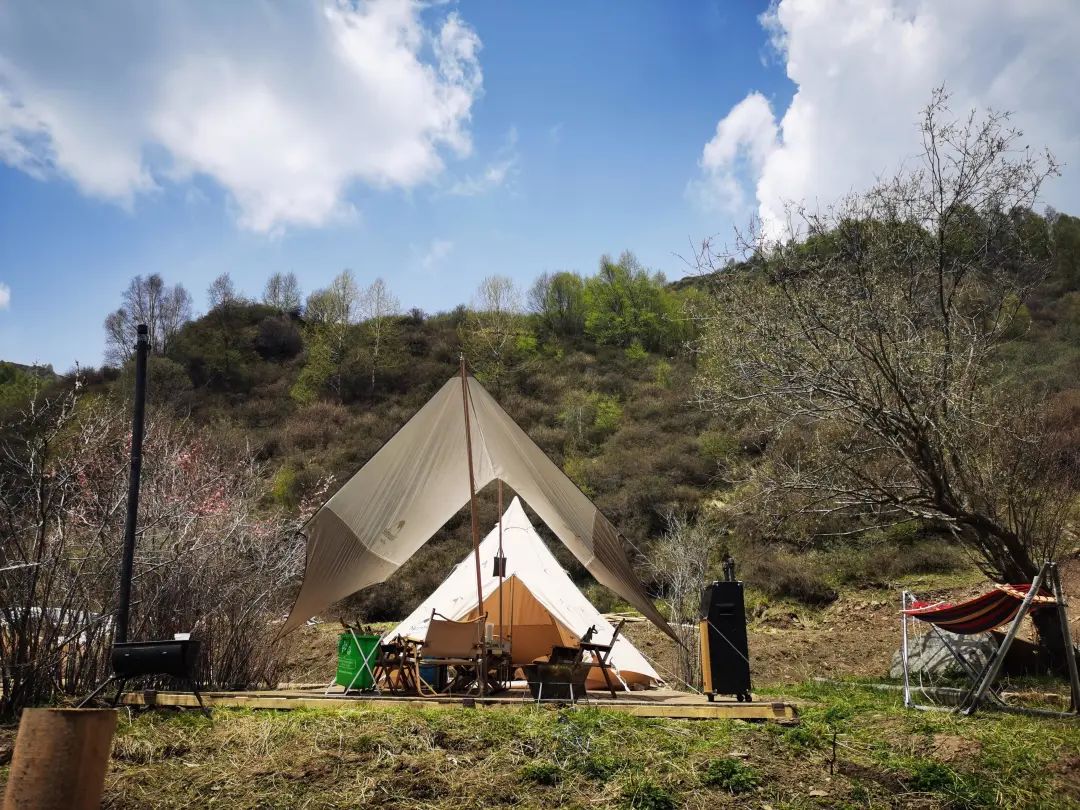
[(142, 347)]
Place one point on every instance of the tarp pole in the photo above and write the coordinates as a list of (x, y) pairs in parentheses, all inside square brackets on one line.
[(502, 563), (904, 647), (993, 666), (1070, 651), (482, 675)]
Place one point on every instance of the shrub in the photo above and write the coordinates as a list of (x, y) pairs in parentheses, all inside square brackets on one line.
[(635, 352), (718, 445), (278, 339), (316, 426), (598, 766), (931, 776), (781, 575), (731, 775), (283, 490), (590, 418), (662, 374), (542, 773), (641, 793)]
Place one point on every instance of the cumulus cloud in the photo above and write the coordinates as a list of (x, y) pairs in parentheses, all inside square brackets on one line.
[(744, 139), (863, 69), (5, 295), (284, 105)]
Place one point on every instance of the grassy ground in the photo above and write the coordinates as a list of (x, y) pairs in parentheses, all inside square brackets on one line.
[(401, 757)]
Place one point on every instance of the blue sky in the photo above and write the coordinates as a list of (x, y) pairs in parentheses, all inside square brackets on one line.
[(436, 145)]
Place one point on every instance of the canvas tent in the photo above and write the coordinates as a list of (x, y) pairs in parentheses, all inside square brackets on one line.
[(540, 604), (420, 478)]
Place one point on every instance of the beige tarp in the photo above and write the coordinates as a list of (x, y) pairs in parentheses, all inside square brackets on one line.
[(540, 606), (420, 478)]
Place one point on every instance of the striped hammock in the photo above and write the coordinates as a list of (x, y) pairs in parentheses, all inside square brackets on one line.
[(984, 612)]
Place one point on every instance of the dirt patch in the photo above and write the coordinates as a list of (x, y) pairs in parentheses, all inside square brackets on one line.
[(951, 748), (853, 637)]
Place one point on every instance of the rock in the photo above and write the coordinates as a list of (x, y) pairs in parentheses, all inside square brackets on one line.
[(928, 655)]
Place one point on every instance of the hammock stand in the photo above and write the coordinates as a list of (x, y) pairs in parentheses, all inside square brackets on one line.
[(1006, 604)]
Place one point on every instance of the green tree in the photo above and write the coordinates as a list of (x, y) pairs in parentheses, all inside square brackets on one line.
[(558, 302), (624, 303), (1065, 238), (318, 369)]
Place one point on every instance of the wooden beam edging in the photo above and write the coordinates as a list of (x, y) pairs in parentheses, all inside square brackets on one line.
[(768, 711)]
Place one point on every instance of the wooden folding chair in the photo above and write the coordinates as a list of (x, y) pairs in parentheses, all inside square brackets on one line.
[(601, 653), (450, 643), (396, 666)]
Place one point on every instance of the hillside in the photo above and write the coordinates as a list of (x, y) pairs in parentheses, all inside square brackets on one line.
[(600, 372)]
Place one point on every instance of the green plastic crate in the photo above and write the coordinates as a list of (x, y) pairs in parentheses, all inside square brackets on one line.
[(353, 652)]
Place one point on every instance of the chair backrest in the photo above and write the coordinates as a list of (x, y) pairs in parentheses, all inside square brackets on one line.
[(450, 639), (615, 635)]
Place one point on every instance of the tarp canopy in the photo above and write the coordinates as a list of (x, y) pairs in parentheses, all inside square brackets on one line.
[(541, 606), (420, 478)]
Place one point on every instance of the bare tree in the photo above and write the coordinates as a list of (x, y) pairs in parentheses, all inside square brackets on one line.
[(493, 329), (679, 562), (148, 300), (377, 307), (210, 559), (866, 339), (338, 304), (222, 292), (282, 292)]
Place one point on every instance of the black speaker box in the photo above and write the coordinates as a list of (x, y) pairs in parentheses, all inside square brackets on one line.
[(725, 656)]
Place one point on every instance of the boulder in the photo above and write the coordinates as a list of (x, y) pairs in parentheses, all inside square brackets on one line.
[(929, 656)]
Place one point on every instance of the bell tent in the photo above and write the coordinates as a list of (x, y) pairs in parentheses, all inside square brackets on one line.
[(459, 442), (538, 607)]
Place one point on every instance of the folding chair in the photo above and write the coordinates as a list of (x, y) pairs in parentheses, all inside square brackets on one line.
[(450, 643), (601, 653), (396, 666)]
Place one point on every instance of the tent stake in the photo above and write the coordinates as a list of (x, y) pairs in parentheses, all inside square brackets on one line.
[(481, 677)]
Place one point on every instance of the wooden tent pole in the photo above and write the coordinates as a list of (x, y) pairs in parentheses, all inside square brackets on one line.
[(502, 564), (481, 677)]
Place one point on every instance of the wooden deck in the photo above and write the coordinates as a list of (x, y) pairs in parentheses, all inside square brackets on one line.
[(648, 703)]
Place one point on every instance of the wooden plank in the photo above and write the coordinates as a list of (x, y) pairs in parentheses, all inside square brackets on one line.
[(775, 711)]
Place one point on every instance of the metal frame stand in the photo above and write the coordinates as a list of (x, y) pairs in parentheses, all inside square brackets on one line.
[(365, 665), (122, 682), (982, 682)]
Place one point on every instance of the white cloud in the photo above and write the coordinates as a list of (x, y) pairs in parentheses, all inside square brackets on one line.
[(285, 106), (5, 296), (744, 139), (495, 175), (864, 68), (437, 251)]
